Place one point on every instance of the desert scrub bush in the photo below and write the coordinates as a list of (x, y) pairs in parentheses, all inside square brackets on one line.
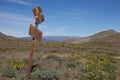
[(4, 48), (52, 57), (23, 77), (99, 67), (42, 75), (71, 65), (17, 64), (45, 75), (67, 75), (47, 44), (25, 60), (8, 70), (55, 58)]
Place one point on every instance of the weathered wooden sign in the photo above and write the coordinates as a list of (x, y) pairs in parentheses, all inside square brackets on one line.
[(38, 15), (34, 32)]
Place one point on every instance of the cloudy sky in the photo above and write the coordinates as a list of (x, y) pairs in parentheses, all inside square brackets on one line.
[(62, 17)]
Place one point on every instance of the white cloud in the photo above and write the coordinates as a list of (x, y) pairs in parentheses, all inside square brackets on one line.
[(13, 19), (73, 14), (55, 16), (77, 17), (70, 13), (20, 2), (12, 32), (80, 11), (60, 30), (15, 24)]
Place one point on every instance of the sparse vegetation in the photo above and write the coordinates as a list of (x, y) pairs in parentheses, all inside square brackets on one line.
[(17, 64), (88, 61), (99, 67), (8, 71), (45, 75), (71, 65)]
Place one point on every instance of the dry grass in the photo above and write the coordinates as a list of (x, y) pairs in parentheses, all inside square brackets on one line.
[(56, 56)]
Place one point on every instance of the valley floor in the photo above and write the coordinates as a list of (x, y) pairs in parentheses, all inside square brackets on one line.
[(88, 61)]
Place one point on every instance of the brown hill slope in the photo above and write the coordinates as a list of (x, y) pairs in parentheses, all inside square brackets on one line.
[(4, 36), (109, 35), (104, 36)]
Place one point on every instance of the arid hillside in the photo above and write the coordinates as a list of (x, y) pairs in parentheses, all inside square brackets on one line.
[(94, 60), (104, 36)]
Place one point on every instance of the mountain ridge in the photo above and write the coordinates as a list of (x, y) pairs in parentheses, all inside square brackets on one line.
[(52, 38), (44, 39), (103, 36), (4, 36)]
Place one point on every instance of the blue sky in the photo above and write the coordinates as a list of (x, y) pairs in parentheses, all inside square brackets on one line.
[(62, 17)]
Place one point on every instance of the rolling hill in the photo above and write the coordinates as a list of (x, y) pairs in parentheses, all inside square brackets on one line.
[(104, 36), (4, 36), (66, 59)]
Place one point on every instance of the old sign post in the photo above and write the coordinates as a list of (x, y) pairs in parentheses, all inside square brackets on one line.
[(36, 34), (38, 15)]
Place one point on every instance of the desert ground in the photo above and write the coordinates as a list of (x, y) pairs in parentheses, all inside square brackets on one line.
[(87, 61)]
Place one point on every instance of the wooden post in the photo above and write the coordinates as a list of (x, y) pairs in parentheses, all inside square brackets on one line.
[(30, 58)]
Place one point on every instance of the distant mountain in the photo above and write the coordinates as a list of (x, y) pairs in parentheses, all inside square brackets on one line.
[(4, 36), (56, 38), (44, 39), (52, 38), (25, 38), (101, 36), (104, 36)]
